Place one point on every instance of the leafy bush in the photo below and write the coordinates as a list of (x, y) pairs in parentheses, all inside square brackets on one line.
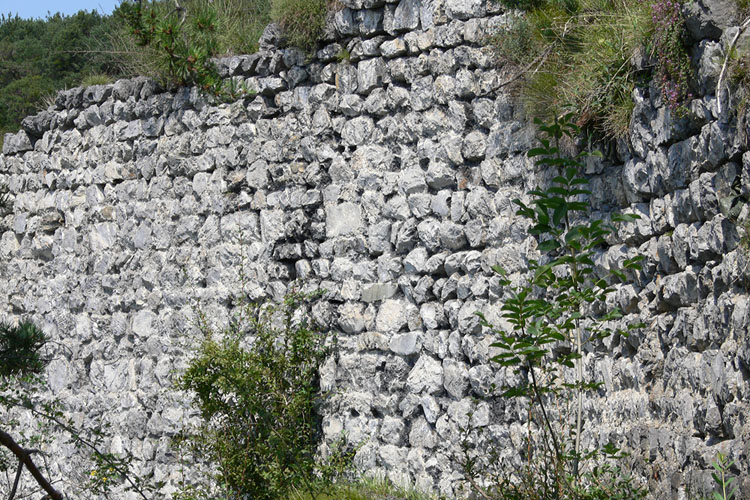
[(303, 21), (257, 389), (550, 322)]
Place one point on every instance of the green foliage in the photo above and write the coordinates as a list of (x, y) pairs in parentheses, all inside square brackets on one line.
[(20, 347), (344, 56), (723, 483), (182, 42), (550, 322), (303, 21), (521, 4), (257, 389), (98, 79), (184, 48), (574, 56)]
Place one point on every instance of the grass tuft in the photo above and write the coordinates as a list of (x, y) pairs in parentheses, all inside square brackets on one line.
[(95, 79), (303, 21), (575, 56)]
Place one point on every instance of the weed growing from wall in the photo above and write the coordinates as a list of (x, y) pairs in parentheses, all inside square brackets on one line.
[(551, 320), (724, 483)]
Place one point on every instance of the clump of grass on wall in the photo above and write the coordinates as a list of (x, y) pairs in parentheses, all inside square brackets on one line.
[(575, 55)]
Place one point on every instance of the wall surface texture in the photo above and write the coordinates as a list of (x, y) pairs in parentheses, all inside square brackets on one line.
[(386, 179)]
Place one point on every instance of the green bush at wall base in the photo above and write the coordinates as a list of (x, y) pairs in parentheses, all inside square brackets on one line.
[(257, 388)]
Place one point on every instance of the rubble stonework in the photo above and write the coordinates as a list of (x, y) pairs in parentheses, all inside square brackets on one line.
[(386, 179)]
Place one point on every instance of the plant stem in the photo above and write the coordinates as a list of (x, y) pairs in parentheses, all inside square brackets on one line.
[(544, 411)]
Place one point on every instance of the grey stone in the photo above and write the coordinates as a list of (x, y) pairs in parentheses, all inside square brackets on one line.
[(422, 434), (405, 344), (391, 316), (475, 144), (412, 180), (426, 377), (358, 131), (421, 94), (455, 378), (415, 261), (404, 18), (682, 289), (393, 48), (707, 18), (439, 176), (16, 143), (392, 431), (343, 219), (464, 9), (452, 236), (370, 75)]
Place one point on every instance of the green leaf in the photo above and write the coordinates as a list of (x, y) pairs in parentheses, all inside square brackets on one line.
[(537, 152), (559, 213), (548, 246)]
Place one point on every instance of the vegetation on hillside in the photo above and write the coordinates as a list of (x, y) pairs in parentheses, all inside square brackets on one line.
[(39, 57)]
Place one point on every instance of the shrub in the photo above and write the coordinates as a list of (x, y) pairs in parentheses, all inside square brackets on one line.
[(257, 389), (303, 21)]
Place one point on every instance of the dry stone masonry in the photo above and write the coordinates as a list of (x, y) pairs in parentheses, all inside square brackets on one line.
[(382, 170)]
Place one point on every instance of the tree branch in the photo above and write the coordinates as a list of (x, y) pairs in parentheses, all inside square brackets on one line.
[(24, 457)]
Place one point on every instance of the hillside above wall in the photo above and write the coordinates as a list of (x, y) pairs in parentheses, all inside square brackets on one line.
[(388, 180)]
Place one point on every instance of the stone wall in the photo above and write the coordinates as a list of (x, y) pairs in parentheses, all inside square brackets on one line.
[(386, 179)]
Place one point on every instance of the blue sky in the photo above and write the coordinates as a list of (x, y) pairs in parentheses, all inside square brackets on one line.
[(39, 8)]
